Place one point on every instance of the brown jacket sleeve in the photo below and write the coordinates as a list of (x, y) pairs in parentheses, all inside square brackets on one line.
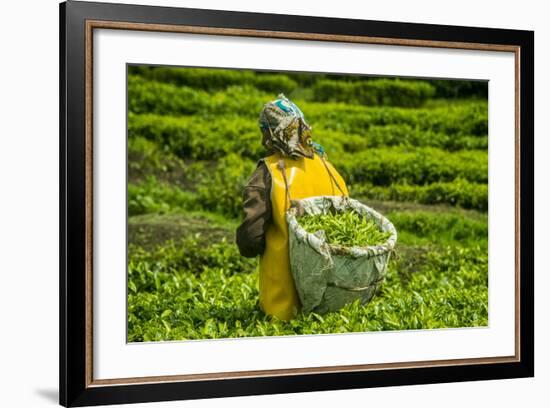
[(257, 212)]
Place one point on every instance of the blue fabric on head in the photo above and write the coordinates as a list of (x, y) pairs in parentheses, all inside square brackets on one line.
[(287, 109), (286, 105)]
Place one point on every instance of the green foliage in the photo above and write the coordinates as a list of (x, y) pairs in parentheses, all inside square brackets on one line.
[(445, 227), (346, 228), (177, 301), (194, 253), (218, 190), (445, 88), (386, 91), (166, 99), (420, 166), (465, 119), (199, 138), (405, 135), (152, 196), (205, 139), (458, 192), (214, 79), (222, 191), (148, 159), (155, 97), (381, 92)]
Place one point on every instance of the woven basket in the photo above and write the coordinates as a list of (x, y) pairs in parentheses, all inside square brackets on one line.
[(326, 276)]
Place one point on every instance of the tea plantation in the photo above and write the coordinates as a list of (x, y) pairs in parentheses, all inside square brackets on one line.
[(415, 150)]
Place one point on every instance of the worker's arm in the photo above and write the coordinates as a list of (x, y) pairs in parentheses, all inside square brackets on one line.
[(257, 213)]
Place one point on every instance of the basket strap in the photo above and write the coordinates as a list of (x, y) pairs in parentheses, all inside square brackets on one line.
[(357, 289), (332, 176), (281, 166)]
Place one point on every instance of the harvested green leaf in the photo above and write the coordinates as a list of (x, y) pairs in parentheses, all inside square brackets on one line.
[(346, 228)]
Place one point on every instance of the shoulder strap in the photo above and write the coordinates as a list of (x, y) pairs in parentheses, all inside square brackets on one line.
[(332, 176), (281, 166)]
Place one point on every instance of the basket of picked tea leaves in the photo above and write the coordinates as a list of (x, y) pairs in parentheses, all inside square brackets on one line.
[(339, 251)]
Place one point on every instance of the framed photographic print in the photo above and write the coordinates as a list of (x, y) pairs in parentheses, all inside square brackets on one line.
[(256, 203)]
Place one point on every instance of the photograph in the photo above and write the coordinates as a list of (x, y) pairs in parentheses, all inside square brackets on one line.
[(284, 203)]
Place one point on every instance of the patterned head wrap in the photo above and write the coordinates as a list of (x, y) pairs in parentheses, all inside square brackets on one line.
[(285, 129)]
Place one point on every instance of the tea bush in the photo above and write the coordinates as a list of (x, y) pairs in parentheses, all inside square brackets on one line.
[(167, 99), (151, 196), (198, 137), (214, 79), (458, 192), (445, 227), (465, 119), (420, 166), (380, 92), (405, 135), (222, 192), (449, 289)]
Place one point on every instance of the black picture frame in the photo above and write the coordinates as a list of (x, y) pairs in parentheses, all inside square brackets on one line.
[(76, 385)]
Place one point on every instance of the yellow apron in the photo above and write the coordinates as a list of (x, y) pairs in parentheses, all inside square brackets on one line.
[(306, 178)]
